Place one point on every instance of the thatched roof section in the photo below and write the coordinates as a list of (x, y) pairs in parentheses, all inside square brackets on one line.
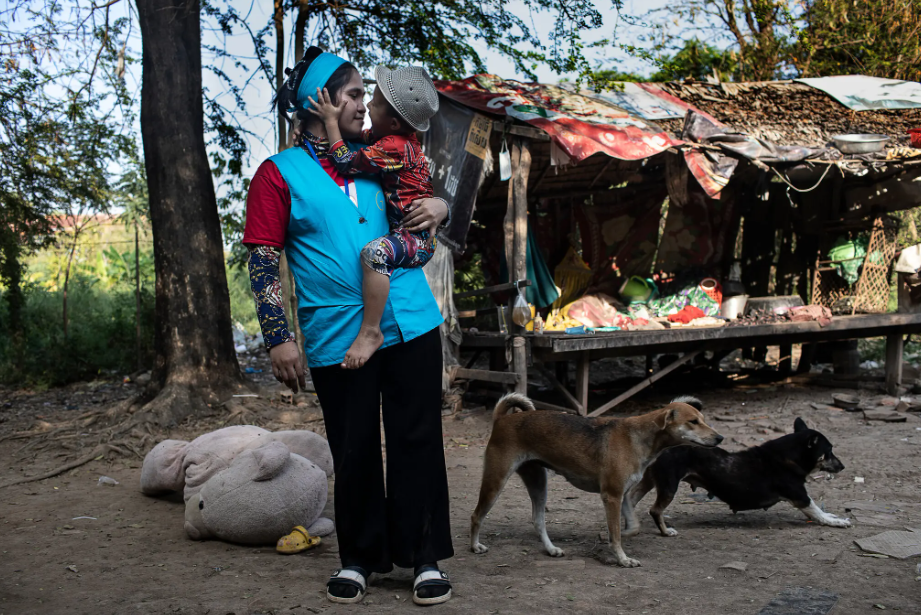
[(787, 113)]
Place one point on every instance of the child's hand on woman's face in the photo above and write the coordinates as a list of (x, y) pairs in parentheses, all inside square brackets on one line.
[(324, 108)]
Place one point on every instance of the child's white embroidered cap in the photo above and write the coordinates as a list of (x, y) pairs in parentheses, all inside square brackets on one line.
[(411, 92)]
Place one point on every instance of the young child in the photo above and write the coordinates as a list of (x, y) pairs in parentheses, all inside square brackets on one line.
[(403, 103)]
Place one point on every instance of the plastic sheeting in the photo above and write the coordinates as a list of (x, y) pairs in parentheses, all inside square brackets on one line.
[(648, 102), (439, 272), (580, 125), (861, 93)]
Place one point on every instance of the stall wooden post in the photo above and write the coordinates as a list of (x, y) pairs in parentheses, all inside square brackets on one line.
[(583, 368), (894, 346), (516, 246)]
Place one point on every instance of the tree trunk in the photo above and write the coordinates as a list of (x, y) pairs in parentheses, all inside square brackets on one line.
[(300, 28), (70, 260), (280, 69), (11, 275), (195, 360), (137, 295)]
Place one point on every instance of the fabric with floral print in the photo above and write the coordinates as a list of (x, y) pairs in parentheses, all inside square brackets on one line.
[(398, 250), (265, 281)]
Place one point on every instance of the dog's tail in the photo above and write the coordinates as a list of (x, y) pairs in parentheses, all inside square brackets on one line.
[(689, 400), (512, 400)]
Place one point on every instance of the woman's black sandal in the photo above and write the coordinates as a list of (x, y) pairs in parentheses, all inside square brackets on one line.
[(431, 586), (347, 586)]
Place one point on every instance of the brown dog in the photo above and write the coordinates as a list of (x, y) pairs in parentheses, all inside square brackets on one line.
[(601, 455)]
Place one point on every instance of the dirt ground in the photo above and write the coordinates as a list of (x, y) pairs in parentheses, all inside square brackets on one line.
[(72, 546)]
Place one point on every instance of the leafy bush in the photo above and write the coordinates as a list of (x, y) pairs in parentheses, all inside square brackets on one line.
[(242, 305), (101, 334)]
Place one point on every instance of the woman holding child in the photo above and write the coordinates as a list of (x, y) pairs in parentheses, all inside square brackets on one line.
[(325, 209)]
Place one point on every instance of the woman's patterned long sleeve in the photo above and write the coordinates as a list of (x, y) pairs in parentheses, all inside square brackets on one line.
[(266, 284)]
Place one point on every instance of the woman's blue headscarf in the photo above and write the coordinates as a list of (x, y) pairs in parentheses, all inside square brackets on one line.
[(307, 79)]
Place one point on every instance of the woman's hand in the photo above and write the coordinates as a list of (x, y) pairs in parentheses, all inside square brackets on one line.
[(425, 215), (286, 365), (324, 108)]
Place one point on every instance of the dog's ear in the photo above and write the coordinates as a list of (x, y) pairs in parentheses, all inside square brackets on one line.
[(668, 417), (799, 425), (813, 441)]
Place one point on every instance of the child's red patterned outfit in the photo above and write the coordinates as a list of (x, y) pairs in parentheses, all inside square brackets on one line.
[(404, 172)]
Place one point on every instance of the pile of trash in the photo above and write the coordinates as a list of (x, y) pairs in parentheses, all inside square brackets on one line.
[(243, 341)]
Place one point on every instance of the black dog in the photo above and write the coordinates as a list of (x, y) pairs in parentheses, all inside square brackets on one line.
[(758, 477)]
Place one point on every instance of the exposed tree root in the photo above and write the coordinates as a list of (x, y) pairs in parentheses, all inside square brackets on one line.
[(129, 427), (97, 452)]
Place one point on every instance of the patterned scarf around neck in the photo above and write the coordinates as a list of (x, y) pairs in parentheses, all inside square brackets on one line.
[(320, 146)]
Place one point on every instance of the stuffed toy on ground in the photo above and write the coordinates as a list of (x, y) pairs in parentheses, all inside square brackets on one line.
[(245, 484)]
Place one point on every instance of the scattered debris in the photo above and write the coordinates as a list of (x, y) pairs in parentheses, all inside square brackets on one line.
[(827, 555), (560, 563), (888, 416), (845, 402), (858, 479), (740, 566), (72, 568), (798, 600), (878, 507), (897, 544), (90, 518), (105, 480)]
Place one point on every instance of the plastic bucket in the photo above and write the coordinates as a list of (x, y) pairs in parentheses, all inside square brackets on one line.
[(915, 134), (732, 307)]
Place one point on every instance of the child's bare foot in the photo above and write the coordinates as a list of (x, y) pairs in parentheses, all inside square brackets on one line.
[(366, 344)]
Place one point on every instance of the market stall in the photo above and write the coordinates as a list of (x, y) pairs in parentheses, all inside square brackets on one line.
[(622, 217)]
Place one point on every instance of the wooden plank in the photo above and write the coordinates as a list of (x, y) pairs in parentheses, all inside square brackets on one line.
[(846, 327), (894, 346), (539, 181), (521, 168), (560, 346), (508, 222), (546, 373), (786, 358), (645, 383), (542, 405), (582, 371), (475, 312), (603, 170), (490, 289), (474, 358), (519, 130), (463, 373)]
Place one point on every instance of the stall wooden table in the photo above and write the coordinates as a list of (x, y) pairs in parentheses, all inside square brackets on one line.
[(552, 347)]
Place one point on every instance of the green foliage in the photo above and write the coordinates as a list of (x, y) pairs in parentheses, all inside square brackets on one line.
[(867, 37), (101, 337), (446, 36), (468, 275), (761, 34), (699, 61), (770, 39), (59, 132), (242, 304)]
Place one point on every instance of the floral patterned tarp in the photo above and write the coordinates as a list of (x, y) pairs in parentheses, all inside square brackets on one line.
[(580, 125)]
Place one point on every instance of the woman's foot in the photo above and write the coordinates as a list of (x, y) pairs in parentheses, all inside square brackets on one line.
[(366, 344), (347, 586), (431, 585)]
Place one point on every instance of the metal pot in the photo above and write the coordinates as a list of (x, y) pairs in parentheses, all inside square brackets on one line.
[(732, 307), (860, 144)]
